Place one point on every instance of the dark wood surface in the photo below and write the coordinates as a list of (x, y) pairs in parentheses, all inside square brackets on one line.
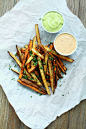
[(73, 119)]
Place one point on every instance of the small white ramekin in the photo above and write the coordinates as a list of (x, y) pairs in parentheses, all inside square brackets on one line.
[(50, 31), (69, 53)]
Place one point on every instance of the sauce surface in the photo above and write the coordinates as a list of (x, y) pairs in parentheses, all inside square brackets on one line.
[(52, 21), (65, 43)]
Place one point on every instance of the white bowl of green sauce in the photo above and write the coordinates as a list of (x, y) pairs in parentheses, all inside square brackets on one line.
[(52, 21)]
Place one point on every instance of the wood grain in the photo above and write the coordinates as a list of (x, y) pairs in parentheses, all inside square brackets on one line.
[(73, 119)]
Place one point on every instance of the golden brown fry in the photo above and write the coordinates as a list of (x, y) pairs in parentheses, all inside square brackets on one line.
[(43, 75), (60, 67), (29, 60), (45, 62), (14, 57), (51, 76), (32, 69), (57, 55), (36, 79), (19, 53), (37, 53), (62, 64), (37, 34), (33, 88)]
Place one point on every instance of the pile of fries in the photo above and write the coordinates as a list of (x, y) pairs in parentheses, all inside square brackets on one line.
[(40, 66)]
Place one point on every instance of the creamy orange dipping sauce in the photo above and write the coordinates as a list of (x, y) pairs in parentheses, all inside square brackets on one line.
[(65, 43)]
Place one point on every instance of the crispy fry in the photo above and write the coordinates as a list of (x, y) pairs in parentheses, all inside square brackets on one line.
[(14, 57), (37, 34), (30, 47), (22, 66), (57, 55), (45, 62), (37, 53), (55, 72), (43, 75), (19, 53), (60, 67), (15, 71), (62, 64), (51, 46), (29, 60), (31, 87), (36, 79), (51, 76), (32, 69)]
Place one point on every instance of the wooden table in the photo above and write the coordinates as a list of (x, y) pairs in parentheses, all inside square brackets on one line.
[(73, 119)]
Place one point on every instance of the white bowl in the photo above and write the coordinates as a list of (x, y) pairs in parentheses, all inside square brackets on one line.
[(53, 31), (66, 54)]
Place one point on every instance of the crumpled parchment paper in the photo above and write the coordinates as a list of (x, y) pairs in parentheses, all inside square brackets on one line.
[(17, 27)]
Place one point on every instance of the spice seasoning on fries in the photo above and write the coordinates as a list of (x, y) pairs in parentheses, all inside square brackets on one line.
[(40, 66)]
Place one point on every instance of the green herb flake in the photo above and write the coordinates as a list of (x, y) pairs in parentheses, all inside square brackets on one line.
[(55, 71), (44, 63), (31, 78), (24, 71), (60, 85), (15, 54), (62, 95), (50, 42), (39, 18), (12, 60), (74, 65), (40, 90), (44, 71), (30, 96), (53, 66), (30, 53), (18, 89), (13, 79), (14, 65), (35, 63), (41, 67), (24, 66), (37, 76), (9, 66), (40, 94), (25, 76)]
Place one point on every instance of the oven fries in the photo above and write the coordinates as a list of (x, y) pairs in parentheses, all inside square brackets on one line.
[(40, 66)]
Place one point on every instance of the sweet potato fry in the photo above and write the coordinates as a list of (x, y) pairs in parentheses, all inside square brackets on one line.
[(57, 55), (51, 76), (43, 75), (41, 91)]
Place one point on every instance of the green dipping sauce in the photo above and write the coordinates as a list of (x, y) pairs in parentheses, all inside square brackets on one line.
[(52, 21)]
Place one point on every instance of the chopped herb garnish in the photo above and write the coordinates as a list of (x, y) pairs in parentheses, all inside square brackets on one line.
[(30, 53), (62, 95), (53, 66), (74, 65), (28, 67), (18, 89), (40, 90), (35, 59), (25, 76), (31, 78), (39, 18), (15, 54), (24, 66), (55, 70), (47, 76), (9, 66), (14, 65), (51, 58), (12, 60), (13, 79), (44, 63), (24, 71), (37, 76), (44, 71), (50, 42), (68, 92), (35, 63), (40, 94), (41, 67), (40, 80), (30, 96), (60, 85)]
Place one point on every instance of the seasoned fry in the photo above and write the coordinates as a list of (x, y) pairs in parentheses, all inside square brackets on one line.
[(29, 60), (19, 54), (51, 46), (43, 75), (57, 55), (51, 76), (14, 57), (22, 66), (45, 62), (37, 34), (33, 88), (37, 53), (36, 79), (62, 64), (60, 67), (55, 72), (32, 69)]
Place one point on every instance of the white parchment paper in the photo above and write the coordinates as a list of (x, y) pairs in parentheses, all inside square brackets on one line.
[(18, 27)]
